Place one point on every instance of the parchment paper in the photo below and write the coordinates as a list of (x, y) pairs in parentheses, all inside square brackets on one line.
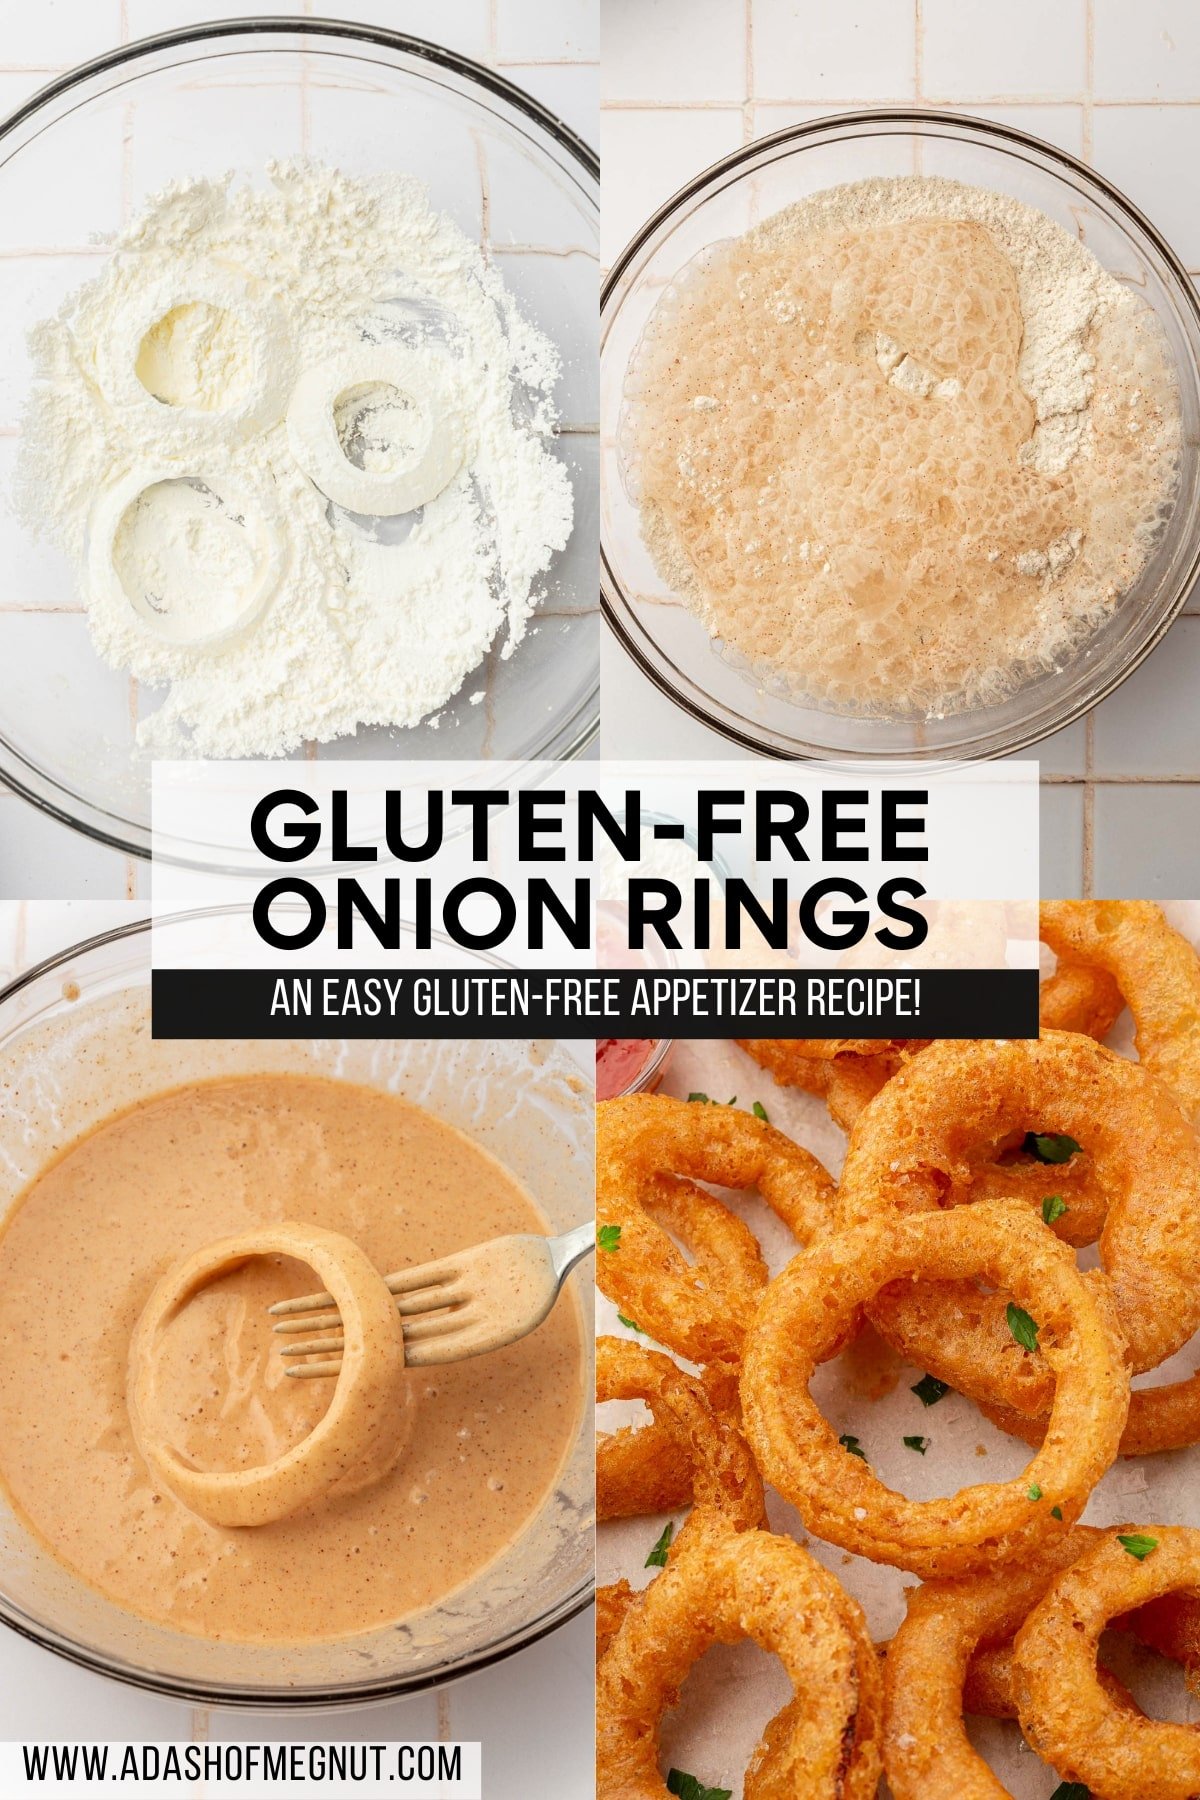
[(735, 1690)]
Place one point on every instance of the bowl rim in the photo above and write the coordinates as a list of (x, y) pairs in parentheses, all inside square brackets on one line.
[(910, 118), (231, 1696), (573, 735)]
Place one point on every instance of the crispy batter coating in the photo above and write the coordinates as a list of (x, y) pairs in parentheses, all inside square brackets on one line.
[(650, 1154), (649, 1468), (1157, 971), (719, 1588), (913, 1149), (802, 1319), (1065, 1712)]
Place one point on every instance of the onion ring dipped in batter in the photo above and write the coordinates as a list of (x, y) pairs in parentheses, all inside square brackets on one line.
[(1065, 1713), (722, 1587), (803, 1319), (1156, 970), (723, 1480), (953, 1655), (913, 1148), (651, 1152), (359, 1437)]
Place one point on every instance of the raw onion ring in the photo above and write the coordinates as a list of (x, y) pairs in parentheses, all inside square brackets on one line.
[(359, 1436), (912, 1149), (650, 1154), (1065, 1713), (802, 1320), (722, 1587)]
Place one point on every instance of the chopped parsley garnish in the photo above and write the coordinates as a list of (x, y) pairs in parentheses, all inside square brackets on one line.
[(702, 1098), (628, 1322), (760, 1112), (919, 1444), (608, 1237), (929, 1390), (1035, 1492), (1138, 1544), (1053, 1208), (1056, 1512), (688, 1788), (1023, 1328), (852, 1445), (1071, 1790), (657, 1558), (1050, 1147)]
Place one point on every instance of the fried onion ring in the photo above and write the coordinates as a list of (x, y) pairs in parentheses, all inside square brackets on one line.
[(912, 1149), (649, 1468), (802, 1320), (1157, 971), (953, 1655), (360, 1435), (1065, 1713), (722, 1587), (651, 1152)]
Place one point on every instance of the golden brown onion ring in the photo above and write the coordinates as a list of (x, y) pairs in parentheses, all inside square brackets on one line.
[(802, 1319), (953, 1655), (650, 1154), (1157, 971), (360, 1435), (649, 1468), (720, 1588), (912, 1149), (1065, 1713)]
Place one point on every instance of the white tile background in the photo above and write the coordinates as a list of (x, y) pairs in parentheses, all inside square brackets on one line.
[(1114, 81), (548, 47)]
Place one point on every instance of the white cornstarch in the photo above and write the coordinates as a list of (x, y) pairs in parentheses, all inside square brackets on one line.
[(903, 446), (296, 440)]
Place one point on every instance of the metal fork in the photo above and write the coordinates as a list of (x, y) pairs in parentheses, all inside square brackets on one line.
[(463, 1305)]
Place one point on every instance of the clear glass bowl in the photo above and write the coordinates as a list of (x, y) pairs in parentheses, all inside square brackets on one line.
[(83, 154), (669, 644), (75, 1045)]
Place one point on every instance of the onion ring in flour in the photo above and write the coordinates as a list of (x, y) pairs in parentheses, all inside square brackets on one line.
[(360, 1435), (1065, 1713), (720, 1588), (912, 1150), (802, 1320), (650, 1153)]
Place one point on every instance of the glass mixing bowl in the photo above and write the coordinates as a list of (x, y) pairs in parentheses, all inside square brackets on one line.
[(75, 1046), (83, 154), (669, 644)]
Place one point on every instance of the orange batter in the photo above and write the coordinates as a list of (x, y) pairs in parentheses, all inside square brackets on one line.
[(79, 1256)]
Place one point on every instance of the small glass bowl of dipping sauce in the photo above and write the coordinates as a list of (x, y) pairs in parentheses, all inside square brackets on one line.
[(630, 1065)]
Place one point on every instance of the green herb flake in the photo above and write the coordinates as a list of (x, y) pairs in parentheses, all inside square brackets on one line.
[(688, 1788), (1056, 1513), (608, 1237), (629, 1323), (657, 1558), (929, 1390), (760, 1112), (1023, 1328), (852, 1445), (1050, 1147), (702, 1098), (1138, 1544), (1035, 1492), (1071, 1790), (919, 1444), (1053, 1208)]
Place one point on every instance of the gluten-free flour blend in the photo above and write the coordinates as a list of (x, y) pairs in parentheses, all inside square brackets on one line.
[(296, 441)]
